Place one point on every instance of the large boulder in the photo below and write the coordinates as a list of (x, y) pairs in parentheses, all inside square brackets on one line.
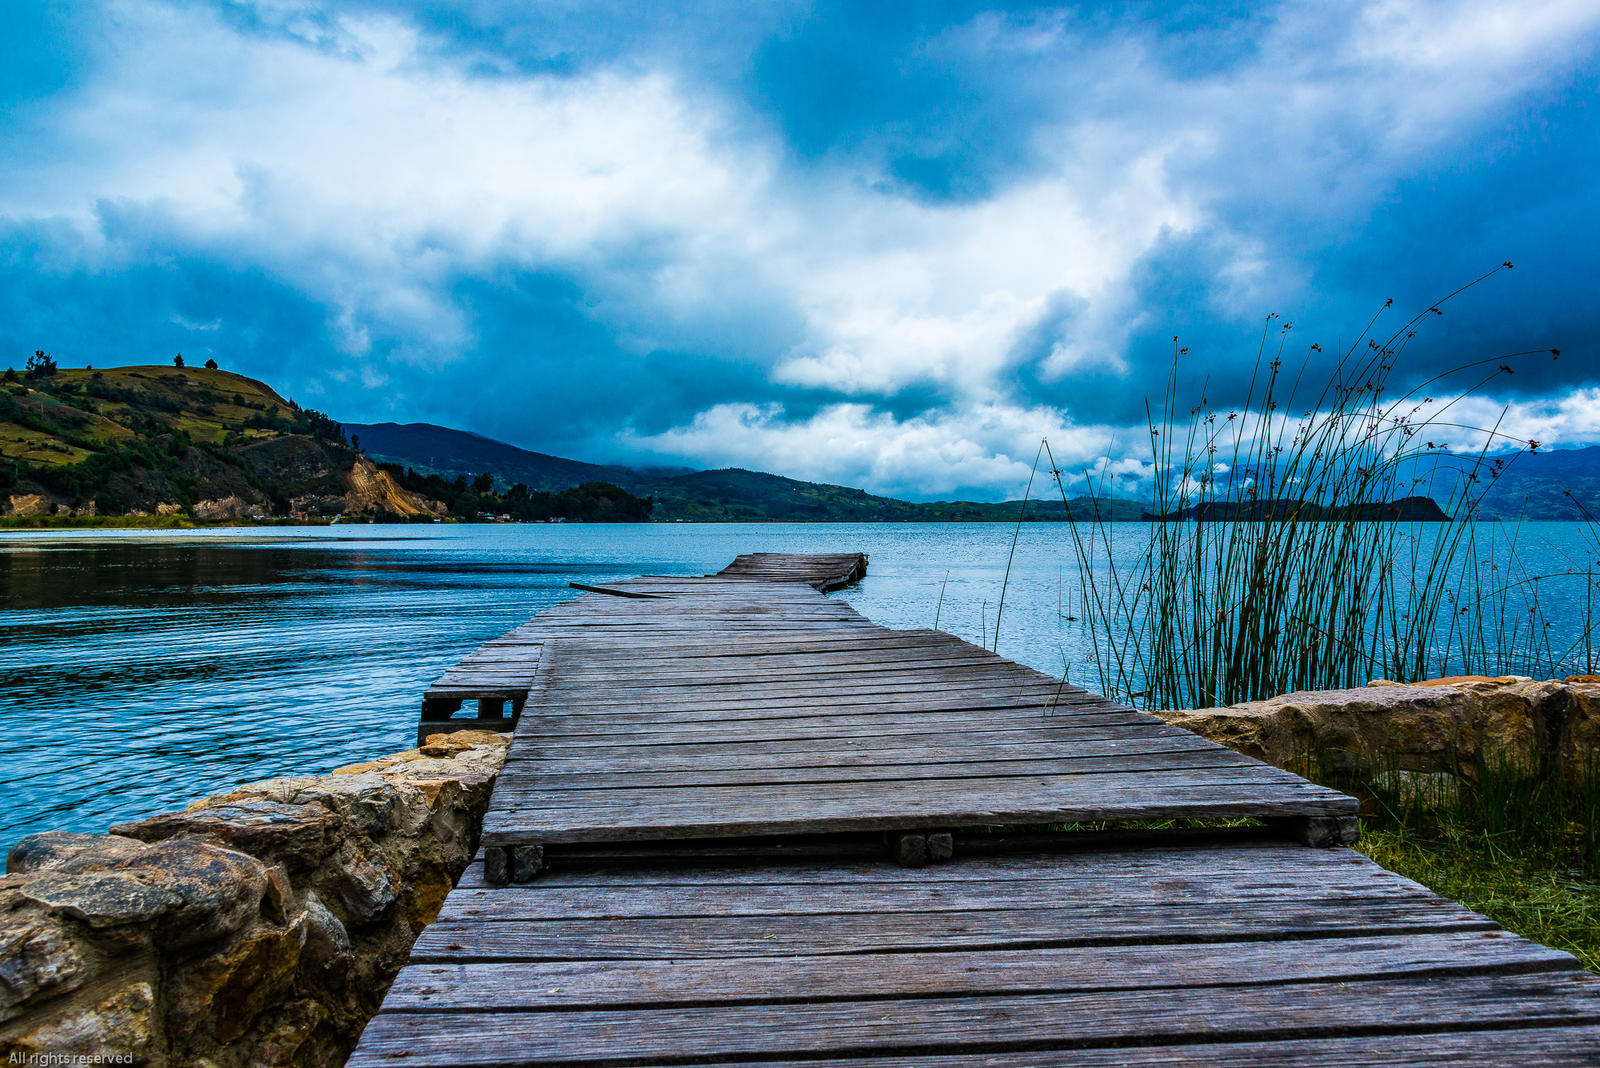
[(261, 926), (1450, 726)]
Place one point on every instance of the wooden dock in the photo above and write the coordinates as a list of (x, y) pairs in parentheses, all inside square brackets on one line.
[(742, 824)]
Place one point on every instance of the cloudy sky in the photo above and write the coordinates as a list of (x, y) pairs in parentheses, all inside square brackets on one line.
[(883, 244)]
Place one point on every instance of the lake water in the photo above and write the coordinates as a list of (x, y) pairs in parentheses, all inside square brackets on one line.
[(140, 670)]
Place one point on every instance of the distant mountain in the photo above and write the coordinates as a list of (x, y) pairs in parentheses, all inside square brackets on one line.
[(728, 495), (1549, 484), (439, 450)]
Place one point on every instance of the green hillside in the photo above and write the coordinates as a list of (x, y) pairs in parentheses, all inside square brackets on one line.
[(152, 438), (201, 443)]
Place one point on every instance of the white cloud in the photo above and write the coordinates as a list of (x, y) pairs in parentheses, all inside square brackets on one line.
[(929, 455), (367, 179), (1571, 418)]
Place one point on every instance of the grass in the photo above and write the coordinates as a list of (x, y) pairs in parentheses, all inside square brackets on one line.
[(1274, 565), (78, 522), (1516, 843), (1498, 874)]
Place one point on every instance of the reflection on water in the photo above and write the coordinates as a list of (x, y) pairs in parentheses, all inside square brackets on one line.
[(136, 673), (140, 670)]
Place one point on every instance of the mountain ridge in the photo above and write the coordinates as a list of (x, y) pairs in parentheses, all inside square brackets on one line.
[(730, 494), (175, 445)]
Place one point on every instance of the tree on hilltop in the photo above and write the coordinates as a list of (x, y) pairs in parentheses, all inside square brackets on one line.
[(41, 364), (177, 361), (211, 365)]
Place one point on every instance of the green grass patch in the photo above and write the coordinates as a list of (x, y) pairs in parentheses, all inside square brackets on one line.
[(1508, 877), (77, 522), (36, 446), (1518, 844)]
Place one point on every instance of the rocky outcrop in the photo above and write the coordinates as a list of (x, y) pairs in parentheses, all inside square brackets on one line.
[(230, 507), (1445, 726), (28, 504), (370, 490), (32, 505), (256, 927)]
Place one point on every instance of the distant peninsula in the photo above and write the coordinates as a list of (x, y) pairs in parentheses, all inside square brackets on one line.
[(1404, 510)]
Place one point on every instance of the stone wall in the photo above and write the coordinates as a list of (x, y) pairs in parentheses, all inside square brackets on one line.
[(1444, 726), (258, 927)]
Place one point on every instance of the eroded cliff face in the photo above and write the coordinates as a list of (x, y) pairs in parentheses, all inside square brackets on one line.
[(370, 490), (257, 927), (1444, 726)]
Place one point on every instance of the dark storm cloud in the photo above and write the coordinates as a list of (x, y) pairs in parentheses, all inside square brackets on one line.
[(575, 385)]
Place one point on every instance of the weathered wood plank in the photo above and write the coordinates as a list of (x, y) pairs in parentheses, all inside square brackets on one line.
[(1028, 700), (1107, 969), (503, 905), (844, 816), (934, 1025), (1041, 725), (1037, 732), (1088, 923), (1041, 719), (1044, 791), (1531, 1046), (897, 749), (904, 772), (1152, 869), (627, 760)]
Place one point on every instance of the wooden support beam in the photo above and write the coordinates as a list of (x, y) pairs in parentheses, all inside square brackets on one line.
[(910, 850), (496, 865), (527, 861), (1318, 831)]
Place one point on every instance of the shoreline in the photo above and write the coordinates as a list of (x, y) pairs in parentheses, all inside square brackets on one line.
[(175, 522)]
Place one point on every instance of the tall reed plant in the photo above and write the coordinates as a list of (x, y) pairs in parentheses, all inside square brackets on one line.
[(1287, 548)]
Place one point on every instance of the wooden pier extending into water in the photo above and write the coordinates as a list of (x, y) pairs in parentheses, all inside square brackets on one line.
[(739, 823)]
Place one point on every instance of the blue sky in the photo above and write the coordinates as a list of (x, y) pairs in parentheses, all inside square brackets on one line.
[(889, 245)]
